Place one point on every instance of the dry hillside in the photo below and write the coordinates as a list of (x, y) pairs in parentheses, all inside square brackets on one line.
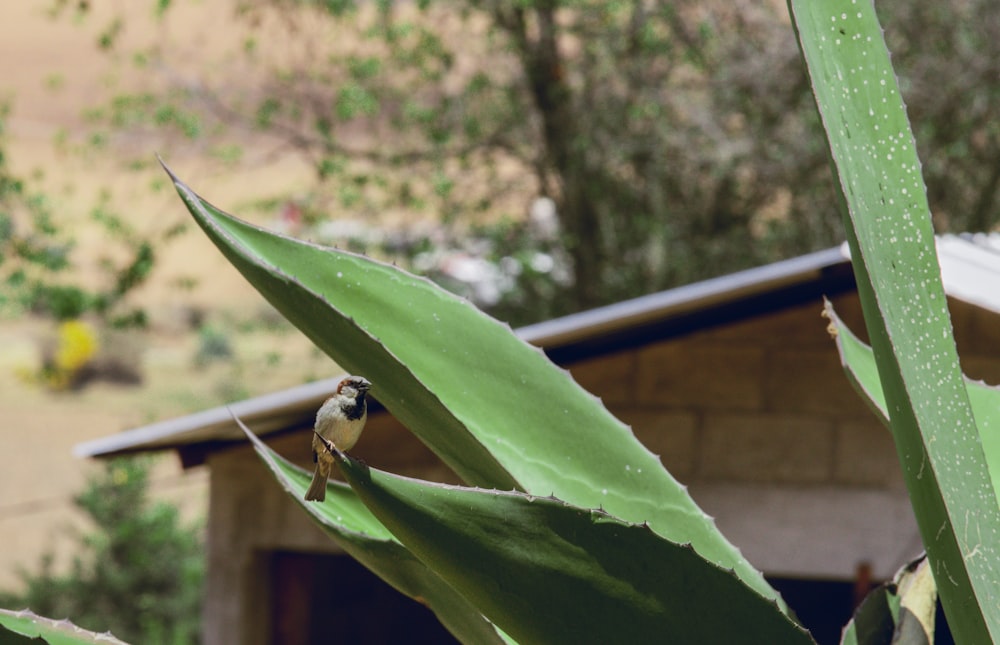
[(52, 72)]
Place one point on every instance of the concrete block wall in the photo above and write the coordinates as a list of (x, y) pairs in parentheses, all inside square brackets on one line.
[(761, 401), (766, 400), (760, 421)]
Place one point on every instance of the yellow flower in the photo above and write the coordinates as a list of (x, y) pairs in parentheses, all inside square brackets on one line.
[(77, 345)]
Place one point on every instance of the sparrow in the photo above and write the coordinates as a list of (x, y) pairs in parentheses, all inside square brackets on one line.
[(340, 421)]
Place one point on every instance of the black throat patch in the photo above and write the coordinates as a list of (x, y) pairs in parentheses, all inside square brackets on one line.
[(356, 409)]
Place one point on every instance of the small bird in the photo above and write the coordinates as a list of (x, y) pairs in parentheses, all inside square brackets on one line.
[(340, 421)]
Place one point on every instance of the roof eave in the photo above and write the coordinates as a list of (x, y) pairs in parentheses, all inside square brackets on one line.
[(589, 333)]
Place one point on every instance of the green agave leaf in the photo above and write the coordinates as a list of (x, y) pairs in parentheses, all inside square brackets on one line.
[(495, 409), (858, 360), (54, 632), (895, 261), (548, 572), (352, 526)]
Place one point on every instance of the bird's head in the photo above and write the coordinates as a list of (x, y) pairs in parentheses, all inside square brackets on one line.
[(353, 386)]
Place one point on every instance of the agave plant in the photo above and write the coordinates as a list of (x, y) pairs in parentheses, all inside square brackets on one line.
[(568, 529)]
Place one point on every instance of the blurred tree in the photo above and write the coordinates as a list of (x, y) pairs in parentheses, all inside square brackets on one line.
[(37, 269), (139, 573), (44, 274), (950, 57), (677, 140)]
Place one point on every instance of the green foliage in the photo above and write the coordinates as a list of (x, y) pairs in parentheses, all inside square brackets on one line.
[(38, 265), (456, 122), (139, 573), (213, 345), (678, 139)]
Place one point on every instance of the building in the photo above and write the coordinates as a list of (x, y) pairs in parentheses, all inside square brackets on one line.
[(733, 381)]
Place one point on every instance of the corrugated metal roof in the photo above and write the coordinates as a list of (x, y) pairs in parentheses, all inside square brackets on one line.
[(970, 268), (268, 413), (970, 264), (680, 300)]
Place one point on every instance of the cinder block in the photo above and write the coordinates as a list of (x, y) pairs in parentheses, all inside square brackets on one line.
[(980, 368), (610, 377), (865, 455), (701, 375), (977, 331), (811, 380), (766, 448), (963, 324), (389, 445)]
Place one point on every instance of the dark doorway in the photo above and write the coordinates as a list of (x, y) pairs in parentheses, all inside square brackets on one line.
[(823, 606), (332, 599)]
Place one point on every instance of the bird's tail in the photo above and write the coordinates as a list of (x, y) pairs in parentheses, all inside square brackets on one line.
[(317, 489)]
